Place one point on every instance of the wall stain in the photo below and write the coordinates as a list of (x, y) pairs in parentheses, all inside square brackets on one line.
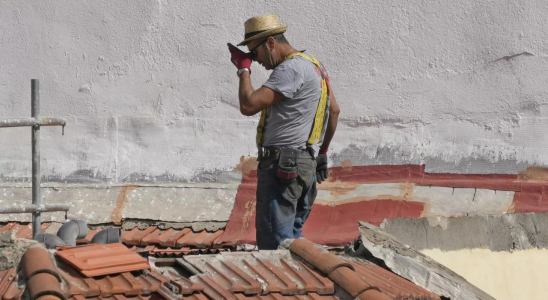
[(247, 165), (347, 165), (116, 216), (249, 212), (534, 174)]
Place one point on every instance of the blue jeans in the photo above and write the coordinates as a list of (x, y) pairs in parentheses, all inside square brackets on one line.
[(283, 208)]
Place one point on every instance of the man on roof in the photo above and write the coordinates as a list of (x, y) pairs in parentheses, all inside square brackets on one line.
[(298, 120)]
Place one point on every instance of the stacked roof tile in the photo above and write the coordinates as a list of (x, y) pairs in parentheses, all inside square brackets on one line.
[(171, 237), (152, 240), (22, 231)]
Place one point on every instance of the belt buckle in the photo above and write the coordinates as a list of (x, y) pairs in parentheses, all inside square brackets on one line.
[(277, 152), (263, 153), (260, 153)]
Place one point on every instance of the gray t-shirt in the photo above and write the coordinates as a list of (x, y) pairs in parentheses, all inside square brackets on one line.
[(289, 121)]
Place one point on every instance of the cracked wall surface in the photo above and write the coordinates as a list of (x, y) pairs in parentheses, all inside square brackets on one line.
[(150, 95)]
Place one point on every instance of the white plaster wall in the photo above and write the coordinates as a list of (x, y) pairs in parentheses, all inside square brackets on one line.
[(149, 92)]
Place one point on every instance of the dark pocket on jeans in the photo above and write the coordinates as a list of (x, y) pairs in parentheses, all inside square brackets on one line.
[(265, 165), (293, 190)]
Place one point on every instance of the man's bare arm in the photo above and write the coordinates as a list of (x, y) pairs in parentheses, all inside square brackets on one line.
[(253, 101), (334, 111)]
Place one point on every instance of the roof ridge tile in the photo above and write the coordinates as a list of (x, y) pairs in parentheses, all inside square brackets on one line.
[(337, 270)]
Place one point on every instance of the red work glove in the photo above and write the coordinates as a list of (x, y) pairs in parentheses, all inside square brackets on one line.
[(239, 58)]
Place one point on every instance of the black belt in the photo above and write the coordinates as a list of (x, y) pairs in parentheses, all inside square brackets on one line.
[(268, 151), (274, 151)]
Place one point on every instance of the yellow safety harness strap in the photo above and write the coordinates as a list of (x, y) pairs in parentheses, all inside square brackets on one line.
[(317, 126), (260, 127)]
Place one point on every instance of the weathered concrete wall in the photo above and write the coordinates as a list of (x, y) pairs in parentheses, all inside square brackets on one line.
[(505, 255), (150, 94), (506, 232)]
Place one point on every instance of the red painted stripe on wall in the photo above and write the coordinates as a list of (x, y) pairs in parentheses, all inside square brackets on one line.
[(328, 225), (337, 224), (532, 197), (416, 174)]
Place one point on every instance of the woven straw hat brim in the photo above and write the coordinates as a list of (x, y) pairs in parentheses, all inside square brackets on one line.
[(272, 31)]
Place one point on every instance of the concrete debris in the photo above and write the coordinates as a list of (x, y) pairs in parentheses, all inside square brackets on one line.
[(12, 249), (196, 226), (415, 266), (53, 227), (248, 247), (506, 232)]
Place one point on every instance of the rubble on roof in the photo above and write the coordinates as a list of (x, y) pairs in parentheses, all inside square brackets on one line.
[(12, 249), (415, 266), (158, 240), (305, 271)]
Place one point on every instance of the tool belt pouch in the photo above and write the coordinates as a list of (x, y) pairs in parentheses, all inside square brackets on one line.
[(287, 165)]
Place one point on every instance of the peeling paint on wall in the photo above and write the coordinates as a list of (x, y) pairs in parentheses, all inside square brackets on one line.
[(150, 94)]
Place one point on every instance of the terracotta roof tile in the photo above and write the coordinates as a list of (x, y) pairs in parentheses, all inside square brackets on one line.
[(272, 275), (40, 273), (43, 284), (275, 296), (254, 273), (169, 242), (89, 237), (154, 296), (13, 292), (8, 277), (363, 279), (143, 284), (37, 260), (212, 288), (170, 237), (392, 285), (96, 260), (22, 231)]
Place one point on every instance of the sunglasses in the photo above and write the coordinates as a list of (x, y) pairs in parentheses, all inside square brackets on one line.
[(254, 50)]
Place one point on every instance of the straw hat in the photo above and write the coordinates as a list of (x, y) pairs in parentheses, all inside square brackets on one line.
[(260, 27)]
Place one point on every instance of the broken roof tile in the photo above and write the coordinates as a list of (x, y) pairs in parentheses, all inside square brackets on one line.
[(254, 273), (119, 285), (178, 252), (96, 260)]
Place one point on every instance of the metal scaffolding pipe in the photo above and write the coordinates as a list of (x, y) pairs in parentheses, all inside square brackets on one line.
[(17, 122), (31, 208), (35, 122), (20, 122), (36, 180)]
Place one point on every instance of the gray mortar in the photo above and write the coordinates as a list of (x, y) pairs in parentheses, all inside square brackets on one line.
[(390, 156), (12, 249), (53, 228), (499, 233), (196, 226)]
